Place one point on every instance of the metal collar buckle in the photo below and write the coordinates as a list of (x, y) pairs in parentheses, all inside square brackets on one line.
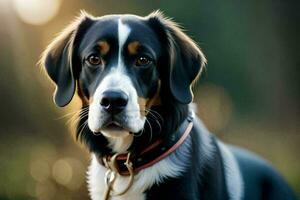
[(111, 176)]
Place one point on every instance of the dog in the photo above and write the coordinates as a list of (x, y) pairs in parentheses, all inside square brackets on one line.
[(134, 76)]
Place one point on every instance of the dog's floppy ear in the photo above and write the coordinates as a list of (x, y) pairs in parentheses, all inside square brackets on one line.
[(185, 61), (58, 59)]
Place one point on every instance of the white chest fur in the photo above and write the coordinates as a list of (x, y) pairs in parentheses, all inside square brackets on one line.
[(142, 181)]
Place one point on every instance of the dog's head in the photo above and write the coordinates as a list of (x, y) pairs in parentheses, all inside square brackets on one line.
[(121, 65)]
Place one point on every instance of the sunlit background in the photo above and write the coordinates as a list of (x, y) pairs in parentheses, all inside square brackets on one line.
[(249, 95)]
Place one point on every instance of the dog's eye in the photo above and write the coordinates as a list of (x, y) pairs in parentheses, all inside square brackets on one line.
[(94, 60), (142, 61)]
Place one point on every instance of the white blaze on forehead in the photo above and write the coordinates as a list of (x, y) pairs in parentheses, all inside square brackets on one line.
[(123, 33), (117, 79)]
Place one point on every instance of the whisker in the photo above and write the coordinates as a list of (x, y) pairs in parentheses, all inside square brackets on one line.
[(82, 127), (155, 112), (76, 118), (156, 120), (141, 133), (68, 114), (151, 134), (152, 115)]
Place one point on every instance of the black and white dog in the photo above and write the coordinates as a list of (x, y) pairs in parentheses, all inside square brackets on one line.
[(134, 76)]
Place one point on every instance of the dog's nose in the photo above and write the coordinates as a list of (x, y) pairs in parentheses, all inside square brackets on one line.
[(114, 101)]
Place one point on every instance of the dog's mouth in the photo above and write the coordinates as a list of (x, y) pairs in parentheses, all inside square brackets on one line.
[(114, 129), (113, 126)]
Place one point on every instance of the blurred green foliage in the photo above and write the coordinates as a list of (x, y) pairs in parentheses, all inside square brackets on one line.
[(249, 95)]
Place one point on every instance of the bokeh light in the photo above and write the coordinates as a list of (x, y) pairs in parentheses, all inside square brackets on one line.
[(67, 172), (36, 12), (45, 191), (62, 172), (215, 106), (39, 170)]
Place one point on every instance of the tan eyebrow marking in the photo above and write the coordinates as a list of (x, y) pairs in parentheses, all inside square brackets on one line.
[(104, 47), (133, 47)]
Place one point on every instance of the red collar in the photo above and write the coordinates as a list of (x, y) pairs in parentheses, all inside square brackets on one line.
[(152, 154)]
